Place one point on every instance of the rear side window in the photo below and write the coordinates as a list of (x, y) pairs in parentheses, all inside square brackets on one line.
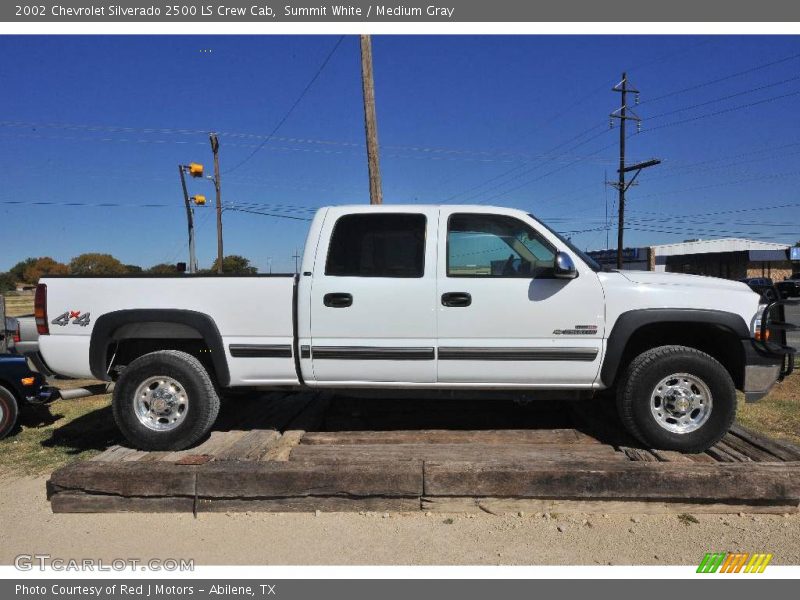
[(377, 245)]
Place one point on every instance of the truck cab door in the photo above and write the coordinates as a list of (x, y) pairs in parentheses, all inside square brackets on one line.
[(373, 292), (504, 317)]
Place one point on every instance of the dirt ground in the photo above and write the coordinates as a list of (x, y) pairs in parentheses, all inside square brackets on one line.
[(27, 526)]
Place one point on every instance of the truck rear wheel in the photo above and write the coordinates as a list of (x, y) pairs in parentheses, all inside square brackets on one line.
[(165, 400), (677, 398), (8, 412)]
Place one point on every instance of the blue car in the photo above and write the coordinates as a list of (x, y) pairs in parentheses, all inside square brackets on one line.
[(19, 386)]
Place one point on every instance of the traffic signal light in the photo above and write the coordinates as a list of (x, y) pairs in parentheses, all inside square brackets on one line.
[(195, 169), (199, 200)]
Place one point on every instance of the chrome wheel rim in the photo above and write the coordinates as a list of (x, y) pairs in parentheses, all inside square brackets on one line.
[(161, 403), (681, 403)]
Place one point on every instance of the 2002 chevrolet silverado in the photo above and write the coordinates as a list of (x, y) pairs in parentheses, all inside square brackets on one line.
[(421, 298)]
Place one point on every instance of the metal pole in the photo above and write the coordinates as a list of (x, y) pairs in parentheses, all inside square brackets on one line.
[(189, 220), (370, 122), (621, 183), (215, 149)]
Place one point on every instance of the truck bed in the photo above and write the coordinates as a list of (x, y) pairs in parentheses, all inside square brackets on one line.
[(251, 313)]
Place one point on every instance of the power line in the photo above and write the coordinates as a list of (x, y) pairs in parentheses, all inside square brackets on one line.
[(293, 106), (721, 79), (725, 212), (518, 167), (723, 111), (266, 214), (723, 98)]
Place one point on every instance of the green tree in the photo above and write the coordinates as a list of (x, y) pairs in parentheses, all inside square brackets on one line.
[(41, 267), (7, 282), (235, 265), (94, 263), (162, 269), (18, 269), (133, 268)]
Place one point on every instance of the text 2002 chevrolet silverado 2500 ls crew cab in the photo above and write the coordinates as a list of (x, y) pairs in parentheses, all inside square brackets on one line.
[(470, 298)]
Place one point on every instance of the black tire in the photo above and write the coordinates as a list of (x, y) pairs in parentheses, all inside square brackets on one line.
[(642, 377), (9, 411), (202, 405)]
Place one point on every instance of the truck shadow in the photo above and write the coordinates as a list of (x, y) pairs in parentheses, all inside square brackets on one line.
[(330, 413), (96, 430)]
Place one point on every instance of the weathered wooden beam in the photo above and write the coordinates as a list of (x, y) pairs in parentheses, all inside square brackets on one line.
[(282, 448), (458, 452), (449, 436), (499, 506), (310, 504), (251, 446), (778, 448), (291, 478), (616, 480), (125, 478), (79, 502)]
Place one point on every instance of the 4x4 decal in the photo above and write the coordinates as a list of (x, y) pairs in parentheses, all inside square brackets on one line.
[(75, 316)]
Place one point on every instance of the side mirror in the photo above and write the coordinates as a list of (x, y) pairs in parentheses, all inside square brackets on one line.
[(564, 267)]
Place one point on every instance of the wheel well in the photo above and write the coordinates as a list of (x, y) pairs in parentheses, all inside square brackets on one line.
[(716, 340), (120, 337), (11, 390), (124, 350)]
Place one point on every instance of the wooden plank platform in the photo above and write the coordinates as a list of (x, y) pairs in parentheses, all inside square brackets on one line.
[(305, 452)]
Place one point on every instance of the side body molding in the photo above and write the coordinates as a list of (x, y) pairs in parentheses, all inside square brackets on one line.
[(629, 322), (109, 323)]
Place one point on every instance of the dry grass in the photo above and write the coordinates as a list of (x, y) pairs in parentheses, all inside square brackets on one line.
[(51, 436), (19, 304), (777, 415)]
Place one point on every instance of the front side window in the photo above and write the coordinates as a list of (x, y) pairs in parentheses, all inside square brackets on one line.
[(484, 245), (377, 245)]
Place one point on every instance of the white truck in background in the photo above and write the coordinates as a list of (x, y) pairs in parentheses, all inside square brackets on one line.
[(421, 298)]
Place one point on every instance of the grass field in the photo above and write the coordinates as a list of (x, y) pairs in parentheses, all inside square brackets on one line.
[(48, 437), (777, 415), (19, 304)]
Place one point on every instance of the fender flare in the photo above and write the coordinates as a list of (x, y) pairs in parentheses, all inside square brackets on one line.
[(107, 324), (629, 322)]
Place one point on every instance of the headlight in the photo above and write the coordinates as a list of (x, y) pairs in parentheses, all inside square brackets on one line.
[(758, 334)]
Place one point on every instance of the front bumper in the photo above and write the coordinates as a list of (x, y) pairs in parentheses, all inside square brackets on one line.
[(759, 378), (767, 362)]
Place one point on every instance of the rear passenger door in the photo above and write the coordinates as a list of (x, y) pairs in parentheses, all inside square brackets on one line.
[(373, 296)]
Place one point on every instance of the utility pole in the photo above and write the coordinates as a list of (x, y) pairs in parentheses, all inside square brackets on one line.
[(296, 257), (190, 221), (215, 149), (370, 122), (195, 170), (624, 114)]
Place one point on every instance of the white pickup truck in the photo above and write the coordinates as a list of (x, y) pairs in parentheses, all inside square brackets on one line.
[(421, 298)]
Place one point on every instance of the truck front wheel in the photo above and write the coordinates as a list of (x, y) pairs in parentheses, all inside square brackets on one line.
[(165, 400), (677, 398)]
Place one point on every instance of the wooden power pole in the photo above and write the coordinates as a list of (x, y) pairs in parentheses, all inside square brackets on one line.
[(370, 122), (215, 149)]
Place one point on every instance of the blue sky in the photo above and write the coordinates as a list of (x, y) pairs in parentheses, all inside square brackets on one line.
[(512, 120)]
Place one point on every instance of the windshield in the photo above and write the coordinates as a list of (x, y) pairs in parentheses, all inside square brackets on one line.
[(590, 262)]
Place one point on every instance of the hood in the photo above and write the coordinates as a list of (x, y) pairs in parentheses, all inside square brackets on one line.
[(653, 278)]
